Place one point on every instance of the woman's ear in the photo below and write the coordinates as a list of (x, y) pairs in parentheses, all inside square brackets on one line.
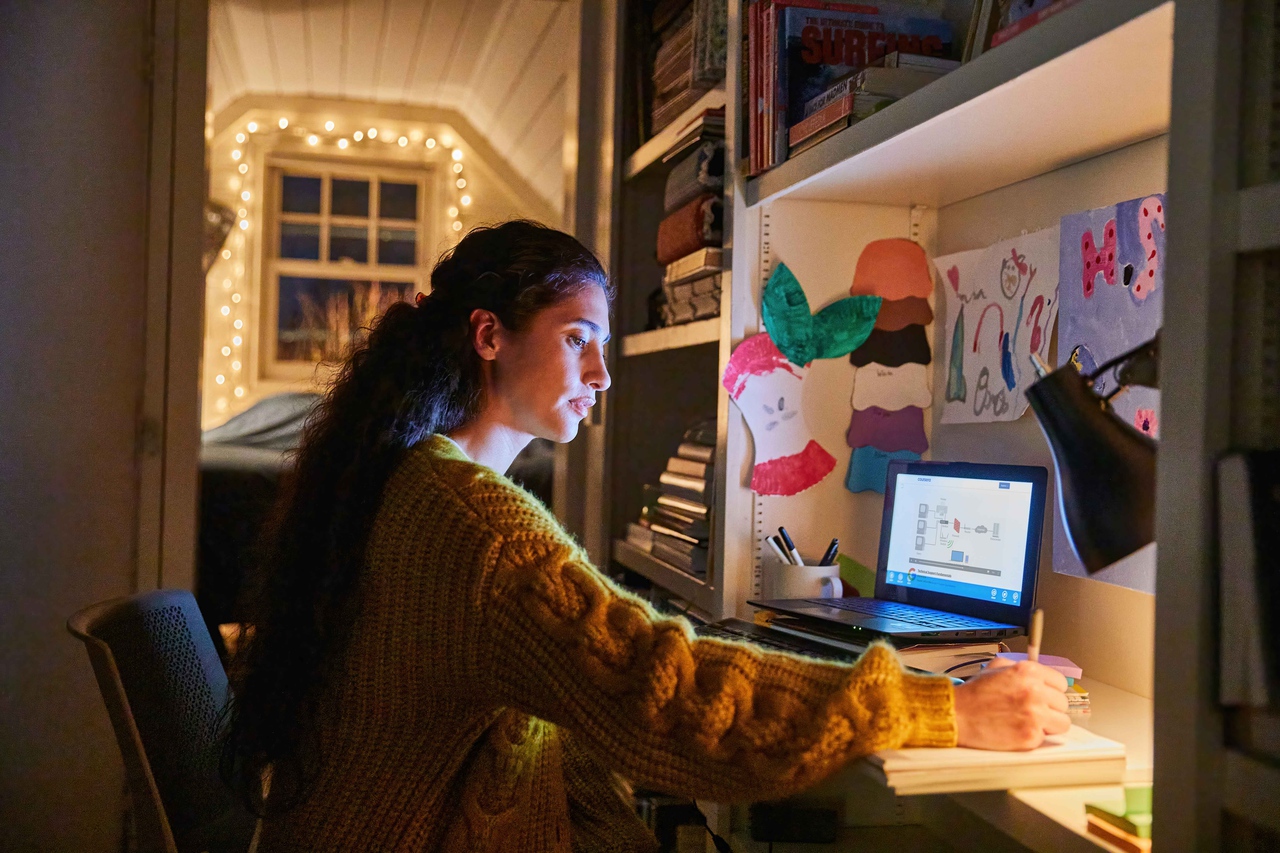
[(485, 331)]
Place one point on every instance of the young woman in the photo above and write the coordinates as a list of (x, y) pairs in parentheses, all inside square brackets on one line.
[(438, 665)]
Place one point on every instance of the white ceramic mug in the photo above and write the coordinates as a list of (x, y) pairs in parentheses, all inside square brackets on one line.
[(783, 580)]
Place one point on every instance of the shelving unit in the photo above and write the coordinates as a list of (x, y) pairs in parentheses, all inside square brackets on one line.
[(672, 337), (668, 577), (1089, 80), (1104, 101), (657, 147)]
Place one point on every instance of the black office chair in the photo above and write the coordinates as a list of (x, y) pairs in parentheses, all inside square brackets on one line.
[(165, 688)]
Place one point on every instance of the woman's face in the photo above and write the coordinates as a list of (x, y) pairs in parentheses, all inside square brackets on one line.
[(544, 379)]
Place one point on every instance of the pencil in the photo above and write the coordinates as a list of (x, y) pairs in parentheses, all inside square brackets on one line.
[(1035, 635)]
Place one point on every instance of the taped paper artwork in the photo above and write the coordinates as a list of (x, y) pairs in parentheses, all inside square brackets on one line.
[(767, 390), (891, 385), (1111, 286), (1001, 305)]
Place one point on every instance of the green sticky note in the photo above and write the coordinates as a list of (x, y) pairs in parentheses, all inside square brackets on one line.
[(1137, 799), (801, 336), (856, 575), (1113, 812)]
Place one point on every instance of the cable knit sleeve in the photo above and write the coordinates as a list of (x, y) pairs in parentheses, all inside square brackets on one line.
[(693, 717)]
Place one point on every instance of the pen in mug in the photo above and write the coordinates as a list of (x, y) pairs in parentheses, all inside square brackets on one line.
[(830, 554), (790, 547), (777, 549)]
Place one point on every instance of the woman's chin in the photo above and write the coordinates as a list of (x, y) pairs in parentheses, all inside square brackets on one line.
[(563, 431)]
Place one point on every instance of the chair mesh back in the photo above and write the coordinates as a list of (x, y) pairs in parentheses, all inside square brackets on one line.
[(177, 689)]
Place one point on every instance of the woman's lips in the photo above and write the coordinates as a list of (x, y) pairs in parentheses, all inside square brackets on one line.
[(582, 405)]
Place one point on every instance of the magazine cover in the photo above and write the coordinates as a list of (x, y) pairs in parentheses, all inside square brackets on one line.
[(816, 46)]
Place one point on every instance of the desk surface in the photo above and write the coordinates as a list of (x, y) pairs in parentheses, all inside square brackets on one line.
[(1046, 820), (1053, 819)]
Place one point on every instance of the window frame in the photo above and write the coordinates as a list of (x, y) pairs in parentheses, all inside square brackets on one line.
[(271, 266)]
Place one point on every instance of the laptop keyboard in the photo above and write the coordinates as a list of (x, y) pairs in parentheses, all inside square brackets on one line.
[(904, 612), (720, 630)]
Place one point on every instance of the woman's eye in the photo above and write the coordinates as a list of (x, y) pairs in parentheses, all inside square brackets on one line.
[(576, 342)]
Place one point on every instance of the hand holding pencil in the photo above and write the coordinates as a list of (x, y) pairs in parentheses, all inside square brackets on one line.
[(1013, 705)]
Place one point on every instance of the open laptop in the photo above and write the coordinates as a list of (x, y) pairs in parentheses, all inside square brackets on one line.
[(959, 554)]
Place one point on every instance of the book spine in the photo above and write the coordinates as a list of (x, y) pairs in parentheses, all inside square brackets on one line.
[(662, 529), (688, 229), (690, 484), (696, 452), (680, 504), (821, 119), (843, 86), (687, 467), (782, 92), (753, 78), (902, 59), (770, 79), (1023, 24), (980, 39)]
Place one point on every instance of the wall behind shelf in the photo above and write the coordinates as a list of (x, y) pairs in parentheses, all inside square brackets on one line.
[(1106, 629)]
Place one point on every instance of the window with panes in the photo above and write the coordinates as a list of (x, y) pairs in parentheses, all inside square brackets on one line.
[(345, 245)]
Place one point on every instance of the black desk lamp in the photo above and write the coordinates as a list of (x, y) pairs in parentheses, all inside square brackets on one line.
[(1106, 469)]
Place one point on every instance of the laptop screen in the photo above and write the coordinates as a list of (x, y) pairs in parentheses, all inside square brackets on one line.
[(967, 531)]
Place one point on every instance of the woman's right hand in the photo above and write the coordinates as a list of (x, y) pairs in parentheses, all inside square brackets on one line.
[(1011, 706)]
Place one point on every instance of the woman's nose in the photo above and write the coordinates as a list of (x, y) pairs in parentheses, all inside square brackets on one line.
[(598, 376)]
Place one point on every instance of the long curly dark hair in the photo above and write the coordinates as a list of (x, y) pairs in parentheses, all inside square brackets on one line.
[(416, 374)]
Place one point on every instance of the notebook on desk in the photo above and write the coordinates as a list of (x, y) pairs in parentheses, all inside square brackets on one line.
[(959, 555), (1078, 757)]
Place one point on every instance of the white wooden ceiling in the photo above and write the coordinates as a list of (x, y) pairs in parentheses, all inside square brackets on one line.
[(501, 64)]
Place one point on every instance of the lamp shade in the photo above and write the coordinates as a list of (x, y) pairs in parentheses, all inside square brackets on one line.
[(1106, 470)]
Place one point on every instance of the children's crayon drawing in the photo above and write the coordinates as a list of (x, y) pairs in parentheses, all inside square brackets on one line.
[(1111, 288), (1111, 292), (1001, 305)]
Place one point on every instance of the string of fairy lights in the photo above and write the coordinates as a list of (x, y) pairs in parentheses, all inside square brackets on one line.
[(229, 308)]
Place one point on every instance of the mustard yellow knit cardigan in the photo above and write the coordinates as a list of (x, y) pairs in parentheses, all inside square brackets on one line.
[(497, 689)]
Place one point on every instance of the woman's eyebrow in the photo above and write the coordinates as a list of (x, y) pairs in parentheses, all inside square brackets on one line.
[(593, 327)]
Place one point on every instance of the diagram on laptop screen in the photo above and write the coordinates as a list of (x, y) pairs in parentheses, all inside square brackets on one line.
[(960, 536)]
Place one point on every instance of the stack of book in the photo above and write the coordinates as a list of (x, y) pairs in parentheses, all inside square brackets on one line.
[(692, 287), (1124, 823), (675, 520), (856, 96), (798, 48), (706, 126), (689, 60)]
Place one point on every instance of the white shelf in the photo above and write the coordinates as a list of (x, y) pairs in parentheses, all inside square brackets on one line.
[(653, 150), (672, 337), (668, 577), (1089, 80)]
